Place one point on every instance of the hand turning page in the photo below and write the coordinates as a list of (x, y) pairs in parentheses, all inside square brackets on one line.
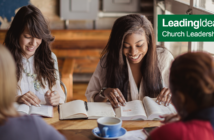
[(154, 110), (146, 110)]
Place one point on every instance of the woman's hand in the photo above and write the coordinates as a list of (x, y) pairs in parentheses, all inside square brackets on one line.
[(170, 118), (164, 97), (115, 97), (52, 98), (29, 99)]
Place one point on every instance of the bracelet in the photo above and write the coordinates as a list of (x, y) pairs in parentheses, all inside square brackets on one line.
[(101, 92)]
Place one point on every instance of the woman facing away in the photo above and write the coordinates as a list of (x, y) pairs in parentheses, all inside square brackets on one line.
[(28, 39), (192, 88), (32, 127), (131, 66)]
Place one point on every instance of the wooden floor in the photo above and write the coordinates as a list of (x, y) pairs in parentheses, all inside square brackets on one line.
[(79, 91)]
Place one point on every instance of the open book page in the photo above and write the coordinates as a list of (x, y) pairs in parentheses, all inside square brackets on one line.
[(154, 110), (134, 135), (43, 110), (73, 109), (98, 109), (22, 108), (133, 110)]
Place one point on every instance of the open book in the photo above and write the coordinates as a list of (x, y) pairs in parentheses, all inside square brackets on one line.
[(134, 110), (80, 109), (44, 110), (146, 110)]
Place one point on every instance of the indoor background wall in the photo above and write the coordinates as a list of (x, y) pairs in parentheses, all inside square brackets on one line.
[(50, 9), (88, 44)]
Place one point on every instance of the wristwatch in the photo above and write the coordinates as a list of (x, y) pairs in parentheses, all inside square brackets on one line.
[(102, 91)]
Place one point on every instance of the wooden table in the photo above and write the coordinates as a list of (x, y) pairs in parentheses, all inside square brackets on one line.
[(81, 128)]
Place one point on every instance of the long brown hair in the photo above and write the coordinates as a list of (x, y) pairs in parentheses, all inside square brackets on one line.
[(117, 71), (193, 75), (31, 17), (8, 85)]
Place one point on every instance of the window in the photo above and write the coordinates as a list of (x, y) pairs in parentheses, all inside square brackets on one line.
[(185, 1), (208, 46), (204, 46), (189, 7), (205, 4), (176, 48)]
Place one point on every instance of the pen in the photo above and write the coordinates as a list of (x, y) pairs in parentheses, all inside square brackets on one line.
[(147, 134), (86, 106)]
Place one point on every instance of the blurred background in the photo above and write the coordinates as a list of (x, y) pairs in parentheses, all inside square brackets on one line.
[(82, 27)]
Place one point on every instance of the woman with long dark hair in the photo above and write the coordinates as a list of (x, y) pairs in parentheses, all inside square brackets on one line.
[(192, 87), (131, 65), (28, 39)]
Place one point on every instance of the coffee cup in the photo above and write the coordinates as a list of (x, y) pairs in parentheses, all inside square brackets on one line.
[(109, 126)]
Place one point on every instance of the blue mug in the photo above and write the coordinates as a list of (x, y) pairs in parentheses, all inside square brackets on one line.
[(109, 126)]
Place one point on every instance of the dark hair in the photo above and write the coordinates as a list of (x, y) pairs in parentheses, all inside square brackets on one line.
[(193, 75), (31, 17), (117, 72)]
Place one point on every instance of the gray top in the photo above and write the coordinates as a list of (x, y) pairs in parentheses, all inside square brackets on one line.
[(28, 128)]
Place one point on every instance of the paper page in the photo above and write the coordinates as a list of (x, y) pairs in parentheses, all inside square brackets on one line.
[(44, 110), (133, 108), (100, 109), (73, 108), (16, 105), (153, 109), (118, 112), (23, 109), (134, 135)]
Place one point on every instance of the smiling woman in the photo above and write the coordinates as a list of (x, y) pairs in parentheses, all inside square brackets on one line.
[(28, 43), (28, 40), (131, 66), (135, 47)]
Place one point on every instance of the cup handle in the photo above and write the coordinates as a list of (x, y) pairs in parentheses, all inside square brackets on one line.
[(104, 132)]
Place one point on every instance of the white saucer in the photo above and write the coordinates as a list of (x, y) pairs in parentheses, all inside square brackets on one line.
[(96, 133)]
